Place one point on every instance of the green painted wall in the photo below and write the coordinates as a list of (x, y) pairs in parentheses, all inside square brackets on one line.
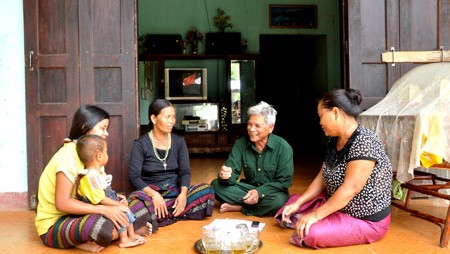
[(249, 17)]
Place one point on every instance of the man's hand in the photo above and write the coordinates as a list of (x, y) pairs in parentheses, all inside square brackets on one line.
[(225, 172), (251, 198)]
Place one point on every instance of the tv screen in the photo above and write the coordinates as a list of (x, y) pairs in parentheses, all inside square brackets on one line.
[(185, 83)]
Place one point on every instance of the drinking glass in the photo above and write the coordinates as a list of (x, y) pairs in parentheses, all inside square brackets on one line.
[(252, 239), (226, 240), (210, 241), (239, 242)]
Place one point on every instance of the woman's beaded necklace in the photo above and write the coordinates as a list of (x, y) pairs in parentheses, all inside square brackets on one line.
[(163, 160)]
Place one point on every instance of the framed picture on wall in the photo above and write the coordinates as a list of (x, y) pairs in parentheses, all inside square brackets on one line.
[(292, 16)]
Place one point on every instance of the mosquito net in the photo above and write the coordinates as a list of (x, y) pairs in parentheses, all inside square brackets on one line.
[(413, 119)]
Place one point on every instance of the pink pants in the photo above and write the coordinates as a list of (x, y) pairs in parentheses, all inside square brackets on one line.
[(337, 229)]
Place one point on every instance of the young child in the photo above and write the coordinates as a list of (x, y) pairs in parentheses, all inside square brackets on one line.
[(94, 185)]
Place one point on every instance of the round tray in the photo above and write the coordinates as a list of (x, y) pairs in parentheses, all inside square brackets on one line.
[(199, 247)]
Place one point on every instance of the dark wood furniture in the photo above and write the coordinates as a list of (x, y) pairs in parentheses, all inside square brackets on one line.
[(223, 139)]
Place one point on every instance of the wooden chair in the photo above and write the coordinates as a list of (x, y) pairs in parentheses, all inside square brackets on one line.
[(431, 187)]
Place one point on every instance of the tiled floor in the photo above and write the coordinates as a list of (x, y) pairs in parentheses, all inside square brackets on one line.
[(407, 234)]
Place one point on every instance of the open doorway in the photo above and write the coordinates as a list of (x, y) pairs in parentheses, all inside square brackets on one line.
[(293, 77)]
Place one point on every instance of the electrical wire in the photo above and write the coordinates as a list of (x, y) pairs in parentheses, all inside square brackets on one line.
[(207, 15)]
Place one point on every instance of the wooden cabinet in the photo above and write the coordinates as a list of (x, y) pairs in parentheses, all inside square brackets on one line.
[(233, 91), (211, 142)]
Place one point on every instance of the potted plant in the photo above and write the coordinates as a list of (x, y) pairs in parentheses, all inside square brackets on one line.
[(221, 20), (222, 42)]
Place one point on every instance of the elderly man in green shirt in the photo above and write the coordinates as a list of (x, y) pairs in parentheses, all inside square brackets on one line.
[(267, 161)]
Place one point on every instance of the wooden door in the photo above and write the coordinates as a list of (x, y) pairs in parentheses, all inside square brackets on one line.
[(79, 52), (373, 27)]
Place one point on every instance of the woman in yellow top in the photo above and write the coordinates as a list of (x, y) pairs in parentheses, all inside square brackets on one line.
[(62, 221)]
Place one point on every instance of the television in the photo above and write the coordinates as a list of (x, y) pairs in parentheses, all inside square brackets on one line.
[(185, 83)]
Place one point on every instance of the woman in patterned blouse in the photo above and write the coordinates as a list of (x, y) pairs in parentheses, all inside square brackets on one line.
[(348, 202)]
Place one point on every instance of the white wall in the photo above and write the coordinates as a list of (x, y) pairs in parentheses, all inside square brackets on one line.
[(13, 150)]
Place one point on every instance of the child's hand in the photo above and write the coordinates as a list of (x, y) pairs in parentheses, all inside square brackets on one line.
[(124, 207), (108, 179), (122, 199)]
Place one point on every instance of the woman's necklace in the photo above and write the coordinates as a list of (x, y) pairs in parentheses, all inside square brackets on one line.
[(163, 160)]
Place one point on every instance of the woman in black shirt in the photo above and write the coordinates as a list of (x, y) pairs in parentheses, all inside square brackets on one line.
[(160, 171)]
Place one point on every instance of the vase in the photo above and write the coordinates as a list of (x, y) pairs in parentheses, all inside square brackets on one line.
[(194, 47)]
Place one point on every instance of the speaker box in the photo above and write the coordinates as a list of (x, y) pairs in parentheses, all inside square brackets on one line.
[(163, 44), (223, 43)]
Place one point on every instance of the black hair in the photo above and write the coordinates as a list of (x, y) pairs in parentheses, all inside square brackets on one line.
[(346, 100), (155, 108), (88, 146), (84, 119)]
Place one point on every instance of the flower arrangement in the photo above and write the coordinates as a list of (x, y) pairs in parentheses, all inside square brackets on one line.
[(244, 45), (194, 35), (142, 44), (221, 20), (183, 44)]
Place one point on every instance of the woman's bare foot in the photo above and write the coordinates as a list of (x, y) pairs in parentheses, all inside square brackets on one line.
[(145, 231), (126, 242), (225, 207), (89, 246)]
